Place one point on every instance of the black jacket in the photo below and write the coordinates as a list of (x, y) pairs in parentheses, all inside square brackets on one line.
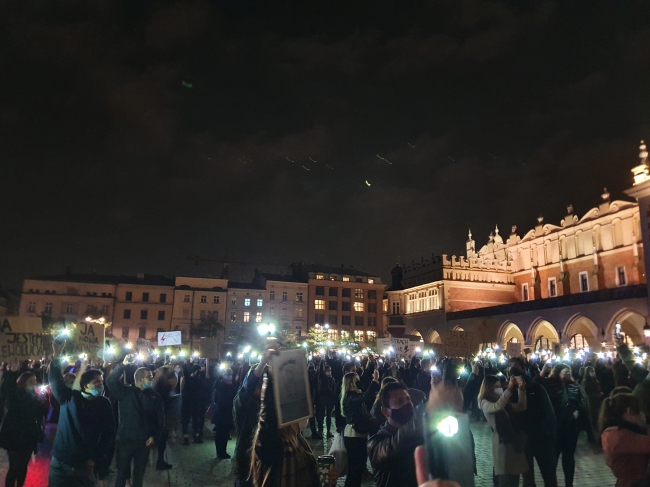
[(567, 398), (222, 399), (391, 454), (21, 427), (538, 421), (142, 414)]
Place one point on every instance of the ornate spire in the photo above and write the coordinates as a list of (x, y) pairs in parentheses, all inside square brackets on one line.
[(469, 235), (540, 219), (642, 171), (496, 229), (605, 195)]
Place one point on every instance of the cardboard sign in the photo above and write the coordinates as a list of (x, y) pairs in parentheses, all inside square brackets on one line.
[(403, 347), (166, 338), (459, 344), (209, 348), (513, 349), (86, 338), (143, 345), (291, 386), (21, 339)]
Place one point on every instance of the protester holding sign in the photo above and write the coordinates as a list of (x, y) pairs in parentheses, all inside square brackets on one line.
[(21, 429)]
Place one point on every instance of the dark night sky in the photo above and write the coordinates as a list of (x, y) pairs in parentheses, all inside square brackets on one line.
[(108, 162)]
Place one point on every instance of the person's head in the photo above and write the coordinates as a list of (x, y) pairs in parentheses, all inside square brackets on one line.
[(165, 379), (178, 369), (589, 373), (620, 390), (396, 404), (36, 365), (328, 370), (490, 388), (516, 367), (226, 375), (143, 378), (27, 381), (436, 375), (69, 379), (533, 370), (619, 409), (425, 364), (349, 367), (92, 382), (562, 372), (387, 380)]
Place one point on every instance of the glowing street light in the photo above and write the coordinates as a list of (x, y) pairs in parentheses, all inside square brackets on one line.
[(267, 329)]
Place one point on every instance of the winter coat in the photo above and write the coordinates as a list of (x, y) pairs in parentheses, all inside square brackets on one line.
[(223, 397), (391, 454), (627, 451), (21, 428), (642, 389)]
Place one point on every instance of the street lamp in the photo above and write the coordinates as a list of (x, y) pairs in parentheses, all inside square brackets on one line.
[(646, 330)]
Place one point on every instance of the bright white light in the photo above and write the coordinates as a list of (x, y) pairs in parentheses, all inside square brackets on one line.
[(448, 426), (195, 354), (635, 350), (497, 347), (66, 358), (229, 354), (247, 349), (638, 360), (65, 332), (128, 346), (601, 355), (181, 353), (418, 349), (322, 351), (111, 350), (102, 319), (82, 356), (173, 357), (222, 367), (140, 356), (305, 344), (88, 318), (240, 356), (168, 351)]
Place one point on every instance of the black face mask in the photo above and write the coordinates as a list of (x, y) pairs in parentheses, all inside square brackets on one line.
[(402, 415)]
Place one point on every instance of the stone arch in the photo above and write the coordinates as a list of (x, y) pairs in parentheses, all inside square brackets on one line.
[(579, 324), (433, 337), (542, 328), (632, 323), (417, 334), (508, 331)]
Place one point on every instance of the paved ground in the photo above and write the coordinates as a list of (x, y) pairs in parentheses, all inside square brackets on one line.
[(195, 466)]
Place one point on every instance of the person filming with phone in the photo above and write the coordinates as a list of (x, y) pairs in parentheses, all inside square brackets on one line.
[(142, 421)]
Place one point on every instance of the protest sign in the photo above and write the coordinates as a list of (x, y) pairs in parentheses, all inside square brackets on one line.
[(87, 338), (293, 400), (209, 347), (459, 343), (513, 349), (166, 338), (143, 345), (402, 348), (21, 339)]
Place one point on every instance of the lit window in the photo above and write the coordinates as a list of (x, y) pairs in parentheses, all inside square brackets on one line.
[(371, 281), (299, 297), (204, 299), (31, 307), (385, 306), (621, 276), (233, 316), (345, 335), (578, 342), (358, 293), (319, 304), (333, 277), (260, 302), (247, 301), (215, 299), (258, 317), (346, 278), (543, 343), (524, 292), (272, 295), (372, 335), (552, 287), (320, 276), (358, 306), (358, 335), (584, 282), (247, 316), (186, 298)]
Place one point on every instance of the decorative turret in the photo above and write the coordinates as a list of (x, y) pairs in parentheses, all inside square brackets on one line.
[(470, 245), (497, 237), (604, 205), (642, 171)]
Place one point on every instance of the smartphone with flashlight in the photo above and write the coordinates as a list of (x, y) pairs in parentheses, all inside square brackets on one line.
[(618, 331), (447, 438)]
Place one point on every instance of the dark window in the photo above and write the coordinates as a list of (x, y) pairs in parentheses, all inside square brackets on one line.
[(163, 298), (319, 318), (358, 321), (346, 292), (127, 314), (372, 294), (333, 320), (161, 315), (372, 321), (584, 282), (145, 297), (125, 332), (345, 306), (332, 305), (160, 330), (129, 297), (334, 291), (142, 332), (320, 290), (345, 320), (622, 277), (372, 308), (143, 314)]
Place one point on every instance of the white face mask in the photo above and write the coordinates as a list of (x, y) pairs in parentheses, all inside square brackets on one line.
[(498, 391)]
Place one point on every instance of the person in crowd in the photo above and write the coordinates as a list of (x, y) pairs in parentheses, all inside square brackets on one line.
[(21, 428), (538, 423), (508, 453), (141, 424), (164, 383), (10, 374), (592, 389), (178, 370), (625, 438), (193, 407), (348, 367), (639, 373), (376, 411), (470, 392), (223, 396), (85, 435), (423, 378), (325, 397), (354, 407), (391, 449), (620, 390), (313, 386), (571, 408)]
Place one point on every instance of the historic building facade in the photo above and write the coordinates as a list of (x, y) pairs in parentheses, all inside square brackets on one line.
[(563, 284)]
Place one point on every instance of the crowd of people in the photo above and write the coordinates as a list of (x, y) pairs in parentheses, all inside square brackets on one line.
[(108, 419)]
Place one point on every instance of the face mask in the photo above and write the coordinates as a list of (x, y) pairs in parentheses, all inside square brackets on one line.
[(177, 371), (328, 374), (97, 391), (147, 384), (515, 372), (227, 378), (402, 415), (498, 391)]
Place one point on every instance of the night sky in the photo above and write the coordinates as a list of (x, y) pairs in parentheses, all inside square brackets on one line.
[(135, 133)]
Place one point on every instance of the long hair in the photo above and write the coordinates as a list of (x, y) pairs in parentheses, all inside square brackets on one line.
[(487, 389), (21, 382), (613, 408), (161, 380), (349, 384), (384, 382), (555, 373), (587, 375)]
